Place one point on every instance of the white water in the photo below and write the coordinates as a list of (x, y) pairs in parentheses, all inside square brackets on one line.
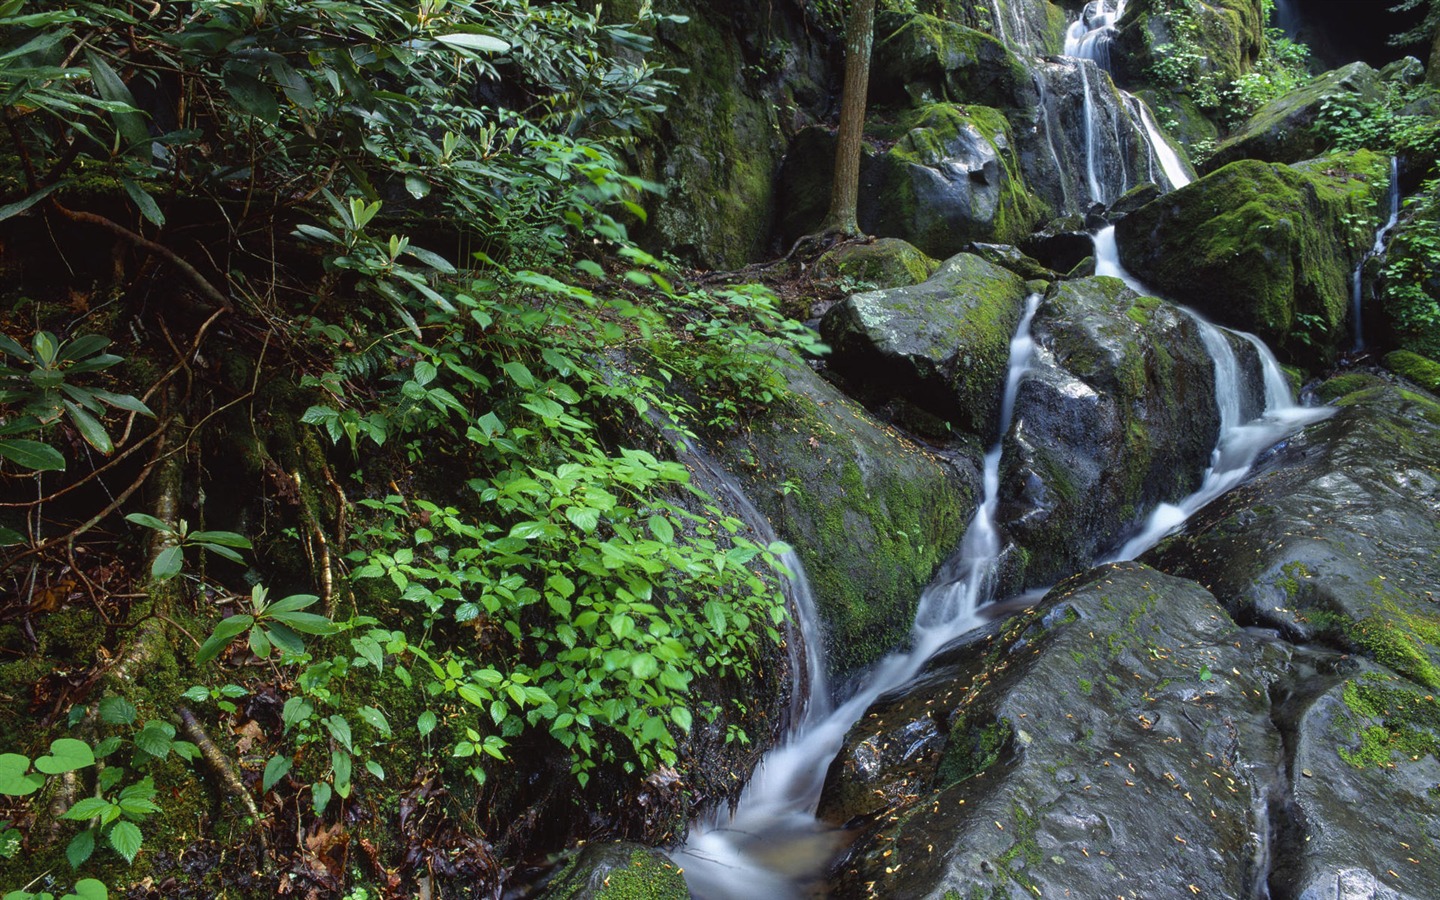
[(1160, 148), (1089, 36), (1242, 439), (772, 842), (1096, 194), (1357, 305)]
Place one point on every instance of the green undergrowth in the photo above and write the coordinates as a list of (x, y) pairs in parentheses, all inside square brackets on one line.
[(1392, 721)]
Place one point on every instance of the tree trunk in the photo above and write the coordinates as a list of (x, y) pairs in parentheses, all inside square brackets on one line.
[(844, 194)]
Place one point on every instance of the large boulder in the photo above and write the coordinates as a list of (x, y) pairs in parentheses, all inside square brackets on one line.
[(871, 514), (1126, 737), (746, 78), (1283, 130), (923, 59), (1117, 415), (1115, 739), (620, 871), (941, 347), (1263, 247), (882, 263), (1224, 37), (1335, 539), (951, 176)]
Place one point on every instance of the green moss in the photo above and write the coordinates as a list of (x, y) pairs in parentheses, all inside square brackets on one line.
[(1423, 371), (971, 749), (1390, 720), (882, 263)]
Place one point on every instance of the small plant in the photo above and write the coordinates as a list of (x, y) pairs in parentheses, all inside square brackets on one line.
[(171, 560), (269, 624), (46, 392)]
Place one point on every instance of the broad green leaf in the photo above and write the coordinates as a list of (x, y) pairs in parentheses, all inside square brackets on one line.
[(125, 838), (129, 124), (482, 43), (90, 889), (426, 722), (681, 716), (87, 808), (10, 210), (277, 768), (168, 563), (32, 455), (320, 796), (341, 764), (10, 537), (226, 539), (144, 202), (306, 623), (80, 848), (83, 346), (376, 719), (123, 401), (155, 739), (643, 665), (118, 711), (223, 634), (150, 522), (66, 755), (16, 779), (340, 730), (662, 529), (251, 94)]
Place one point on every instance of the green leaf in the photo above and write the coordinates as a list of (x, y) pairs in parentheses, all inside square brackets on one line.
[(341, 764), (340, 730), (150, 522), (482, 43), (168, 563), (10, 210), (90, 428), (80, 848), (90, 889), (32, 454), (125, 838), (66, 755), (144, 202), (681, 717), (662, 529), (221, 637), (251, 94), (320, 796), (155, 739), (583, 517), (129, 124), (16, 779), (425, 723), (87, 808), (9, 537), (277, 768), (376, 719), (229, 539), (643, 665), (118, 711), (306, 623), (260, 644)]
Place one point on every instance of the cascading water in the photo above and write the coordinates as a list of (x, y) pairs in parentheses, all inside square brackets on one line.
[(771, 842), (1089, 36), (1357, 300), (1243, 437), (1097, 193), (1160, 149)]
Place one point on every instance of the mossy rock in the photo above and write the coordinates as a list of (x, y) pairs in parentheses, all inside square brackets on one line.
[(921, 59), (1283, 130), (1335, 539), (942, 346), (951, 176), (618, 872), (1013, 258), (1343, 385), (1420, 369), (1264, 247), (871, 514), (1229, 34), (878, 264), (1117, 415)]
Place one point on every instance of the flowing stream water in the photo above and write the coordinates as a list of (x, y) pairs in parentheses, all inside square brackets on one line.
[(770, 845), (1357, 300)]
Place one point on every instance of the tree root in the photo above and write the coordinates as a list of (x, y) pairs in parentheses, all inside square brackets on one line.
[(220, 765)]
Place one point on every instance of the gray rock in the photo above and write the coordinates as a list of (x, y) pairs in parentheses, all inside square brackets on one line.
[(942, 345)]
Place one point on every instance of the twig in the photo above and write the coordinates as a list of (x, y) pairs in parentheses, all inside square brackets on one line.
[(175, 259), (223, 770)]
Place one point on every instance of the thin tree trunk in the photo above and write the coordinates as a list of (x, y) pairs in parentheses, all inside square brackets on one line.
[(844, 194)]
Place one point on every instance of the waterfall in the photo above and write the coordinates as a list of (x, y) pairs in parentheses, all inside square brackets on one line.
[(1096, 194), (1357, 286), (812, 694), (1241, 439), (771, 841), (1160, 148), (1089, 36)]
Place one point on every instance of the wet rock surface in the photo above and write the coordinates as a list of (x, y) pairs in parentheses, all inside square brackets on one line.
[(941, 346), (1117, 415), (870, 513)]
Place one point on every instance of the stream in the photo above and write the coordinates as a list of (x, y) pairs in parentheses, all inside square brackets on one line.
[(770, 845)]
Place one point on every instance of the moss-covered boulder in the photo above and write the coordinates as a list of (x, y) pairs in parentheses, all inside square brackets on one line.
[(745, 79), (1336, 538), (950, 176), (617, 872), (871, 514), (1126, 736), (1225, 37), (1007, 256), (922, 59), (1420, 369), (876, 264), (1263, 247), (941, 347), (1283, 130), (1117, 415), (1115, 739)]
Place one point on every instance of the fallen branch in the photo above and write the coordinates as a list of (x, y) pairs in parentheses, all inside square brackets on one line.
[(220, 765)]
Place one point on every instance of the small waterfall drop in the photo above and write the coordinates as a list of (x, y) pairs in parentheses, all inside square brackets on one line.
[(1160, 149), (1089, 36), (771, 843), (1357, 300), (1097, 194), (1242, 438)]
